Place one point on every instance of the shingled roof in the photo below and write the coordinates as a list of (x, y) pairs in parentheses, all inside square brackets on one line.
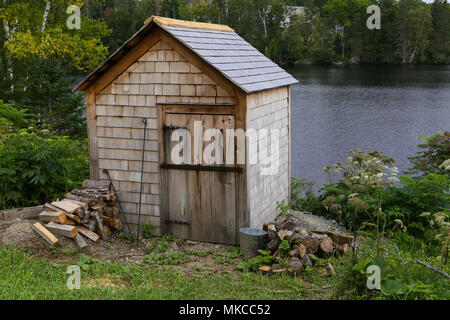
[(217, 45)]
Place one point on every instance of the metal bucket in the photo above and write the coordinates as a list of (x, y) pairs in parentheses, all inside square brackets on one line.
[(250, 240)]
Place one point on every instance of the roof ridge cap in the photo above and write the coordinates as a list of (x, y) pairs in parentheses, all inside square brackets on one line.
[(162, 21)]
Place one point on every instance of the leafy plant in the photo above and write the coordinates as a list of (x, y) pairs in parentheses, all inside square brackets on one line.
[(147, 229), (253, 264)]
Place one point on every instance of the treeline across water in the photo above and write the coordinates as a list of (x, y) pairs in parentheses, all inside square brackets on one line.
[(322, 31)]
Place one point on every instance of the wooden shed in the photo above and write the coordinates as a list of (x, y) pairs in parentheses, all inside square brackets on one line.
[(178, 74)]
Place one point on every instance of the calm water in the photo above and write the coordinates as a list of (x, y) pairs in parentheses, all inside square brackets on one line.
[(335, 109)]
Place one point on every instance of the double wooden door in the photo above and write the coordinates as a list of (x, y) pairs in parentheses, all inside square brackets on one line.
[(198, 197)]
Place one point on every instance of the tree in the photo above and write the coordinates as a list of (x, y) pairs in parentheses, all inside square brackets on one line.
[(439, 40)]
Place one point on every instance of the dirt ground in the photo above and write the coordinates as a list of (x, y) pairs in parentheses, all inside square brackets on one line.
[(118, 249)]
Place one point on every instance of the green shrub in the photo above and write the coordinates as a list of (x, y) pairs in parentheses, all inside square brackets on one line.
[(435, 150), (38, 168)]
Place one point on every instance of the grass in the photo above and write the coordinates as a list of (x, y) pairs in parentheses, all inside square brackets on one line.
[(23, 276)]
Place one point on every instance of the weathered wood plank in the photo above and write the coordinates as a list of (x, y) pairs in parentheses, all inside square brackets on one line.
[(66, 205), (21, 213)]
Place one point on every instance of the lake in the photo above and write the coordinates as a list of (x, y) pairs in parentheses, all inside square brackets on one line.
[(338, 108)]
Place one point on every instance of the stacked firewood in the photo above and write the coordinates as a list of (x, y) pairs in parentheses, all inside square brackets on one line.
[(292, 246), (89, 212)]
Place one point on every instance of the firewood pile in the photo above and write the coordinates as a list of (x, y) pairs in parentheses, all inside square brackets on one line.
[(292, 246), (90, 212)]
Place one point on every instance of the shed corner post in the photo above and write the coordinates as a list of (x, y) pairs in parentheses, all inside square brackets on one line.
[(91, 114)]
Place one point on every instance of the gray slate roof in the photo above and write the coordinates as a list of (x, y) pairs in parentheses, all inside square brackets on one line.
[(225, 51), (234, 57)]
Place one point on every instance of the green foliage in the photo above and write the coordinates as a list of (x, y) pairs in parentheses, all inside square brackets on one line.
[(173, 258), (253, 264), (39, 167), (435, 149), (284, 208), (303, 197), (147, 229)]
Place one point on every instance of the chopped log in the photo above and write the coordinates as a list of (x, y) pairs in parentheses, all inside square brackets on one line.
[(50, 207), (295, 265), (62, 229), (70, 222), (81, 243), (330, 268), (294, 253), (326, 244), (265, 268), (52, 216), (21, 213), (278, 222), (311, 244), (112, 212), (88, 233), (80, 213), (338, 238), (66, 205), (100, 226), (306, 260), (343, 248), (83, 205), (301, 251), (73, 217), (273, 245), (107, 230), (45, 234), (91, 225), (282, 234), (73, 197), (117, 224), (288, 225), (93, 184)]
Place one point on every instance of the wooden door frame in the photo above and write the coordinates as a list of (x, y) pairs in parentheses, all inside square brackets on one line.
[(195, 109)]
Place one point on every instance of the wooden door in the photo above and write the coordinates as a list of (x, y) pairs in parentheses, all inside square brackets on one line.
[(199, 199)]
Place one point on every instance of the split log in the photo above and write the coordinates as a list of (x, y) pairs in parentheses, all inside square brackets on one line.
[(45, 234), (343, 248), (311, 244), (52, 216), (117, 224), (326, 244), (70, 222), (80, 213), (62, 229), (330, 268), (338, 238), (83, 205), (301, 251), (93, 184), (107, 230), (88, 233), (66, 205), (73, 197), (91, 225), (81, 243), (265, 268), (100, 226), (49, 207), (73, 217)]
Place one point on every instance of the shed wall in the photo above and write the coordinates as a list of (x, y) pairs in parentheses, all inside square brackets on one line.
[(268, 109), (161, 75)]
